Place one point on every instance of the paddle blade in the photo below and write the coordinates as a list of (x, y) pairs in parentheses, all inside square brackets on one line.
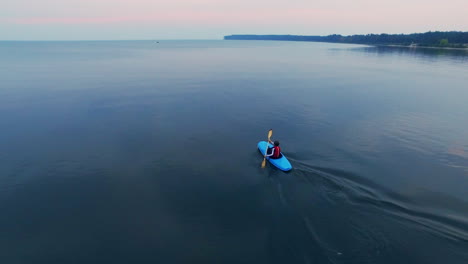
[(263, 163), (270, 133)]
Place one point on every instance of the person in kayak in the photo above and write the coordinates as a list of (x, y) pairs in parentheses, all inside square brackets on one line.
[(275, 151)]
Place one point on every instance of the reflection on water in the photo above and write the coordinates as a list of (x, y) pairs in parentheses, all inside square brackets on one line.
[(456, 55)]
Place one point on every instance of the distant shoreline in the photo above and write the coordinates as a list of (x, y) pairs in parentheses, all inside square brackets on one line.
[(456, 40)]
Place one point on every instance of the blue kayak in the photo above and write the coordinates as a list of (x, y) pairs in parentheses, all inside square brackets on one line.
[(281, 163)]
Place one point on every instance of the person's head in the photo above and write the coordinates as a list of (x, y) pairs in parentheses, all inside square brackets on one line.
[(276, 143)]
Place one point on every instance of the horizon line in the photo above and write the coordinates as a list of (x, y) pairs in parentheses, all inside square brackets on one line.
[(222, 38), (76, 40)]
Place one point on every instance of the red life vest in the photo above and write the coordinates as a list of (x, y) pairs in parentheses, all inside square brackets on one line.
[(276, 152)]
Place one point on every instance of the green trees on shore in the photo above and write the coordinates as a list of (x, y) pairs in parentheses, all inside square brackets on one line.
[(454, 39)]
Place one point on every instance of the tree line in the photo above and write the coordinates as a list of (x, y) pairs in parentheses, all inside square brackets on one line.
[(454, 39)]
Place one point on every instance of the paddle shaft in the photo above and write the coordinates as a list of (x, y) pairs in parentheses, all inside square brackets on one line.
[(270, 133)]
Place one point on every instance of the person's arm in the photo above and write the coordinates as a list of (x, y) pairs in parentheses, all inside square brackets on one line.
[(271, 149), (272, 152)]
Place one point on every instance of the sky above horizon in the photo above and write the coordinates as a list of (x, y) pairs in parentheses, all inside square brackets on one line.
[(213, 19)]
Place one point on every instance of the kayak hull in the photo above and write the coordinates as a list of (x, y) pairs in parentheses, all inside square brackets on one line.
[(281, 163)]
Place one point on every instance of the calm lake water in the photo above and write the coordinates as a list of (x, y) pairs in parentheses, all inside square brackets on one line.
[(138, 152)]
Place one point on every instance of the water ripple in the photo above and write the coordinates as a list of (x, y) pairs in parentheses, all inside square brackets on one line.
[(368, 197)]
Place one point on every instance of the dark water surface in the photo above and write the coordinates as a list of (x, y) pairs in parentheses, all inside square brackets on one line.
[(137, 152)]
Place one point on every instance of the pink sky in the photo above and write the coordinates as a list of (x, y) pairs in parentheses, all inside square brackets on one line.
[(209, 19)]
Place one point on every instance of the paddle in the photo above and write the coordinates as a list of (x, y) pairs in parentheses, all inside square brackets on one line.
[(270, 133)]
